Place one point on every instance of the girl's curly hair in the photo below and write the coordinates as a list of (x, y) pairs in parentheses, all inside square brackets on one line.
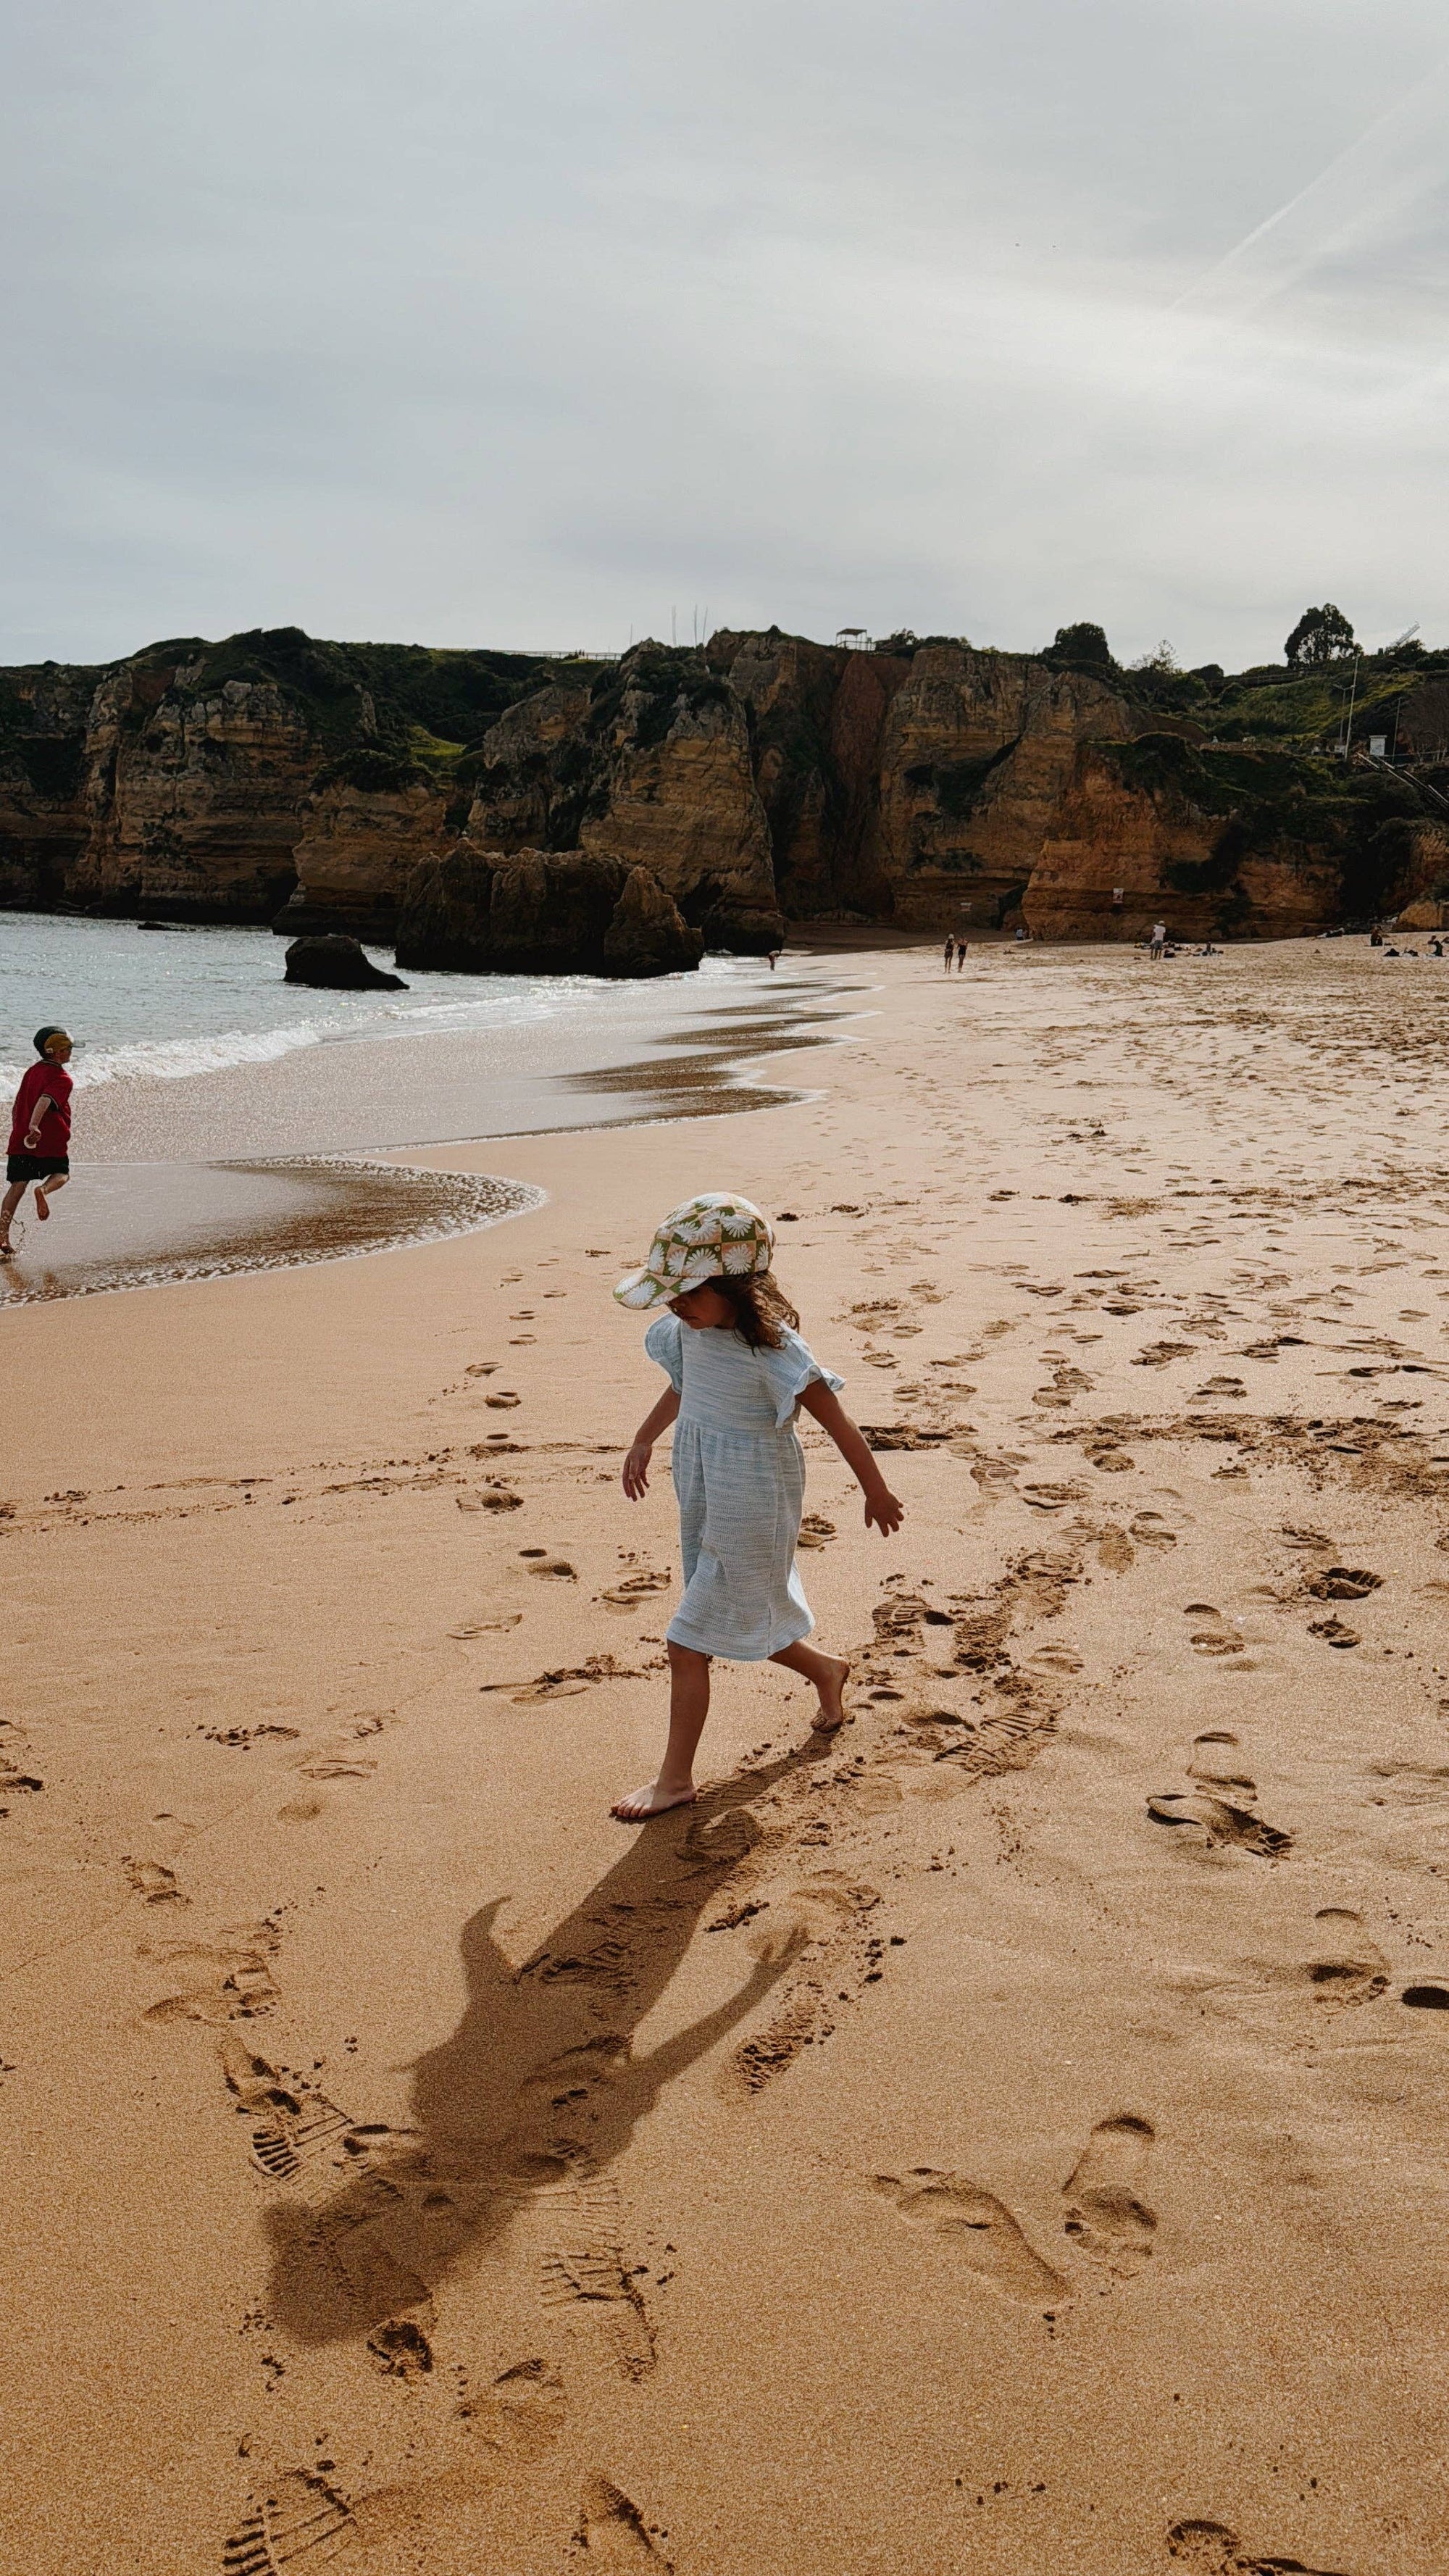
[(761, 1308)]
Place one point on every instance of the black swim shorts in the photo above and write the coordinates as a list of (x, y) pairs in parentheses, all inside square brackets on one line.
[(35, 1167)]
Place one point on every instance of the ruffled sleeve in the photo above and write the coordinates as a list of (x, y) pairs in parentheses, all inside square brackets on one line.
[(662, 1342), (789, 1370)]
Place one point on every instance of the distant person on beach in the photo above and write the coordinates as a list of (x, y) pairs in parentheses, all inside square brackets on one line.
[(960, 955), (738, 1374), (774, 959), (39, 1133), (1376, 938), (1157, 942), (948, 952)]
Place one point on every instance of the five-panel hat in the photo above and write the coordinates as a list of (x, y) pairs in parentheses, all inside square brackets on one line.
[(719, 1232)]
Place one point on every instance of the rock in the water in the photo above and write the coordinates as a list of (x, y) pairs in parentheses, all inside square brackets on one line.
[(340, 965), (541, 912)]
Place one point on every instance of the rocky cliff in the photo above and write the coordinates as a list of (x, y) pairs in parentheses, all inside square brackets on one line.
[(542, 912), (651, 767), (362, 826), (925, 784)]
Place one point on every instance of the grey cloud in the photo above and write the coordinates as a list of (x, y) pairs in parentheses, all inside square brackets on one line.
[(521, 324)]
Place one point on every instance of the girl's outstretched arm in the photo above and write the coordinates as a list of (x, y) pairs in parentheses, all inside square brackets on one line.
[(881, 1505), (641, 1449)]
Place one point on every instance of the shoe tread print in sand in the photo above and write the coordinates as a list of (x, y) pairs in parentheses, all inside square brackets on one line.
[(299, 2518)]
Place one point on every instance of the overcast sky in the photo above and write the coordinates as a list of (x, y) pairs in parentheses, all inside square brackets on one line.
[(540, 322)]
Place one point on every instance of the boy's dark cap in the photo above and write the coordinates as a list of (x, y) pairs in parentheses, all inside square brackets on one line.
[(44, 1036)]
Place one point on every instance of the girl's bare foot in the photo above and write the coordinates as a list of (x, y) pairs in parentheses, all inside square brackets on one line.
[(832, 1711), (655, 1800), (42, 1206), (7, 1250)]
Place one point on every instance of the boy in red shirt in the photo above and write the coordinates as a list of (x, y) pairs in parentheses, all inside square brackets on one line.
[(39, 1133)]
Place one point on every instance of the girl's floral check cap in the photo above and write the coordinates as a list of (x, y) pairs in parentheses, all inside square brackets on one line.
[(718, 1231)]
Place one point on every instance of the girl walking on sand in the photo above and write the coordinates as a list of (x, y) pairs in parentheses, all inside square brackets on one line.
[(39, 1133), (738, 1373)]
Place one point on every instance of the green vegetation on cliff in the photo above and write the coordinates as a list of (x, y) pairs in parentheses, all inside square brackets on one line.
[(1279, 800)]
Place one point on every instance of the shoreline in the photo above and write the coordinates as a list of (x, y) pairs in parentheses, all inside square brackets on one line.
[(1034, 2094), (128, 1223)]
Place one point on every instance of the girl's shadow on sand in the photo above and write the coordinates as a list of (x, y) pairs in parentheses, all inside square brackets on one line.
[(537, 2089)]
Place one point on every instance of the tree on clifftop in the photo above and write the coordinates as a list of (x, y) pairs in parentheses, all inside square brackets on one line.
[(1083, 647), (1321, 635)]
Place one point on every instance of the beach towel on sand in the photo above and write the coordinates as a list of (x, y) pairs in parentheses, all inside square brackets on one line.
[(739, 1474)]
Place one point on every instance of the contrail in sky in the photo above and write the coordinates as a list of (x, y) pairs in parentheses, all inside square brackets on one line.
[(1397, 160)]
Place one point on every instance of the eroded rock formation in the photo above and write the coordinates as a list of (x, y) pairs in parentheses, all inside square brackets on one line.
[(541, 912), (362, 827), (925, 784)]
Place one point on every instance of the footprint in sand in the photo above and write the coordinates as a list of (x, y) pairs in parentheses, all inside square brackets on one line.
[(292, 2124), (815, 1531), (229, 1979), (1107, 2218), (1219, 1822), (1211, 2549), (1211, 1761), (586, 2271), (1150, 1530), (522, 2413), (979, 2229), (1334, 1632), (299, 2514), (1351, 1969), (634, 1588), (401, 2349), (1343, 1583), (1115, 1551), (613, 2532), (152, 1880)]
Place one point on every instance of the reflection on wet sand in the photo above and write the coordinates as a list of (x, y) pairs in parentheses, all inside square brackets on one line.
[(708, 1080)]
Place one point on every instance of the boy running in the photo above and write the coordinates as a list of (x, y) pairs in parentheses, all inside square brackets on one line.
[(39, 1133)]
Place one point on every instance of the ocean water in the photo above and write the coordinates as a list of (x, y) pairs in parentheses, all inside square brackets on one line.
[(164, 1004), (226, 1121)]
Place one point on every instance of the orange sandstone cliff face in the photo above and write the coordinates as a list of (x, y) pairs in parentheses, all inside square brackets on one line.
[(652, 768), (190, 802), (977, 752), (930, 786), (358, 841)]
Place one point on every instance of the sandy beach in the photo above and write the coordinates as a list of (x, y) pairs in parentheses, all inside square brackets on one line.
[(1006, 2137)]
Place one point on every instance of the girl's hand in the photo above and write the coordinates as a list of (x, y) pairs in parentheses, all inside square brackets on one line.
[(636, 1470), (882, 1508)]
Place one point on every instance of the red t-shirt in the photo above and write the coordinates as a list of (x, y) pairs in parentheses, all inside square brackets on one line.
[(55, 1125)]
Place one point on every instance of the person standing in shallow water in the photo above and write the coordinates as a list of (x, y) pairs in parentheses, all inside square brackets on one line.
[(947, 953), (39, 1133), (738, 1375)]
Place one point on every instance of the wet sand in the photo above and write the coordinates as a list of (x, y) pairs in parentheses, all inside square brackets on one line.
[(128, 1222), (1006, 2138)]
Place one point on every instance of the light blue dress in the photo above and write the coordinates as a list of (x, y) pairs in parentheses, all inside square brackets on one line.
[(739, 1473)]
